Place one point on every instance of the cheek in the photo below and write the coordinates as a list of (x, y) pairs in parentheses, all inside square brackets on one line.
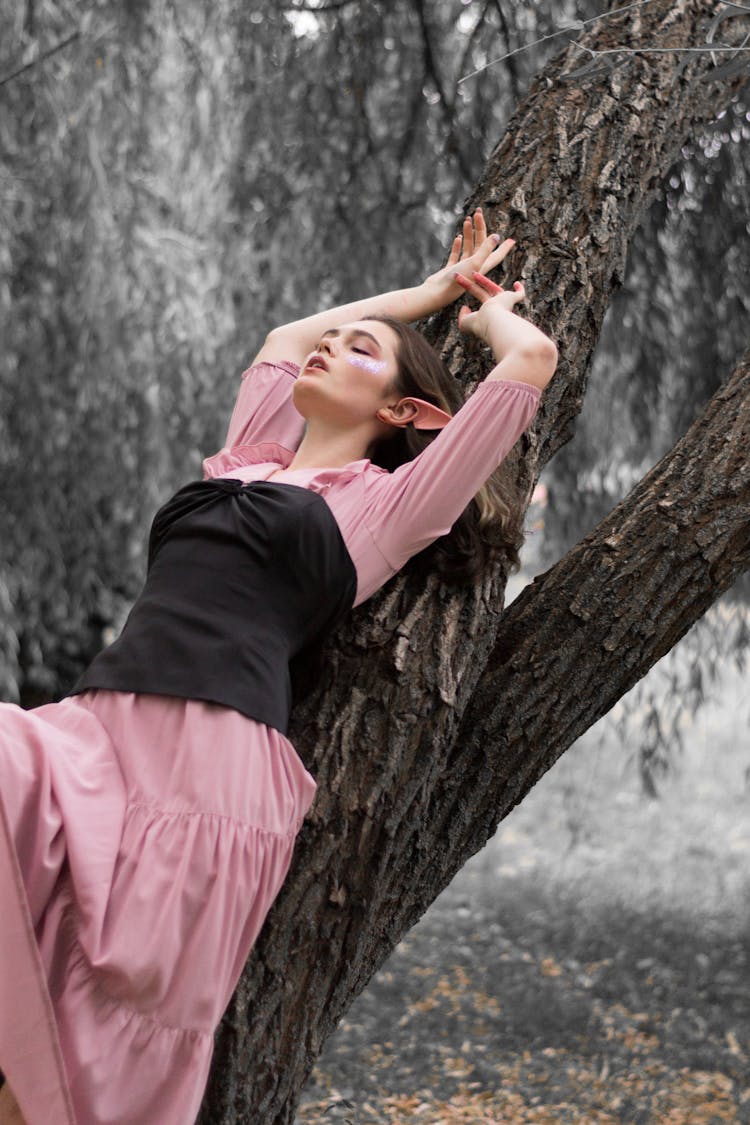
[(368, 376), (368, 363), (330, 396)]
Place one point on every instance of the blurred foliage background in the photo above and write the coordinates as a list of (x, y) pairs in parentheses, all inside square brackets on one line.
[(179, 178)]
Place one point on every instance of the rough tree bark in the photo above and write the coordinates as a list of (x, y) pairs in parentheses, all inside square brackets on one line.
[(439, 712)]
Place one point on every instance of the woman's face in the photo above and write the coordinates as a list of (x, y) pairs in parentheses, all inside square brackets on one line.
[(345, 380)]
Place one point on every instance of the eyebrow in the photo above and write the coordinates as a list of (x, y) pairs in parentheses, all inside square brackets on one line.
[(354, 332)]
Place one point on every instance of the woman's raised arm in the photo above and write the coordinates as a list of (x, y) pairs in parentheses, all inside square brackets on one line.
[(523, 352), (473, 251)]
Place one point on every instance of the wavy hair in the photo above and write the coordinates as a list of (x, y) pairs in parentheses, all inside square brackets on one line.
[(492, 524)]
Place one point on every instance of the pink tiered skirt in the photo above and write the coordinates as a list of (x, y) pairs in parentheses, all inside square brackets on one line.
[(142, 842)]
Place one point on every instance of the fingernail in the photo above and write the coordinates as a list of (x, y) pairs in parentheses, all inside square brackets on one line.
[(496, 239)]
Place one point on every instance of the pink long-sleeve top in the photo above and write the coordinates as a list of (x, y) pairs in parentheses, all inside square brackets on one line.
[(384, 518)]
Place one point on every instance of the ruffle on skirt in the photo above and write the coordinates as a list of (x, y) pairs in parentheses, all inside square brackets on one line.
[(143, 840)]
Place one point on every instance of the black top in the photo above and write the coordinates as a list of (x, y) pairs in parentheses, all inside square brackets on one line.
[(241, 577)]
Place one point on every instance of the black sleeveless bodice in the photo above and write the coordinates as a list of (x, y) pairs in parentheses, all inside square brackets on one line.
[(241, 577)]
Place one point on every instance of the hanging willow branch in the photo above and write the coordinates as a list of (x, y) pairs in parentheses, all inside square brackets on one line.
[(579, 25), (41, 58)]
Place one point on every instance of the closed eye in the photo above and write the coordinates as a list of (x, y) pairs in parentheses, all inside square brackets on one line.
[(361, 351)]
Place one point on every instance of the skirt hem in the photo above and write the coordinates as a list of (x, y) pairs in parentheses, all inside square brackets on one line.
[(27, 1015)]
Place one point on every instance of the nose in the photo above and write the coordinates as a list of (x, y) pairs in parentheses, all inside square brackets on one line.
[(326, 345)]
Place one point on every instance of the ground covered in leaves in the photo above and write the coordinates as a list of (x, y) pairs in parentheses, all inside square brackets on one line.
[(591, 965), (523, 1011)]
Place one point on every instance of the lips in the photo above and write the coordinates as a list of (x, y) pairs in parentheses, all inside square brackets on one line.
[(316, 361)]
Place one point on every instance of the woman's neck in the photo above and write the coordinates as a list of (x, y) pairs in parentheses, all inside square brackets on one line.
[(326, 447)]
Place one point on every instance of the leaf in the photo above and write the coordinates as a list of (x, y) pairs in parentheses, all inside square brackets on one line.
[(592, 71), (718, 19), (575, 27)]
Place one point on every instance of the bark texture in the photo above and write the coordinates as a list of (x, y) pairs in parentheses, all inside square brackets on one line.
[(583, 633), (438, 712)]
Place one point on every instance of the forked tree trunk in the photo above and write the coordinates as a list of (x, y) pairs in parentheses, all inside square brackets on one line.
[(438, 713)]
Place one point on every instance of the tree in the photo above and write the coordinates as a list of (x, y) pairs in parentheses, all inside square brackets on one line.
[(473, 705), (166, 205)]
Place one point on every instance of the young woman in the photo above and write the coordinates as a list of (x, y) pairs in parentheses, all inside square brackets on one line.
[(147, 821)]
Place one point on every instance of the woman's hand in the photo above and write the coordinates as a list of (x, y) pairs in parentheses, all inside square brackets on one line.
[(523, 352), (473, 251), (491, 297)]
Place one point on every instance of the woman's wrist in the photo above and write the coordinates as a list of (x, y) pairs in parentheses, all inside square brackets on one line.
[(406, 305), (436, 293), (504, 331)]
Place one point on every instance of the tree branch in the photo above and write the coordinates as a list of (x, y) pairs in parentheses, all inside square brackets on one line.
[(446, 104), (40, 58), (515, 80), (331, 6), (582, 634), (579, 25), (574, 25)]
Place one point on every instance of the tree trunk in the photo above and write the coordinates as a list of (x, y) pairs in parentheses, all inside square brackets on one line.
[(583, 633), (438, 714)]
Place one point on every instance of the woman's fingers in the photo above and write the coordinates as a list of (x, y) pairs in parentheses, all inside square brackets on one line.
[(480, 227), (496, 254), (468, 285), (518, 292), (468, 236), (474, 240), (455, 253), (484, 290), (486, 284), (465, 318), (477, 227), (490, 254), (478, 285)]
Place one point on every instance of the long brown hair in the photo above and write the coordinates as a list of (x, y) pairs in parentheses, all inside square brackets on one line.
[(492, 525)]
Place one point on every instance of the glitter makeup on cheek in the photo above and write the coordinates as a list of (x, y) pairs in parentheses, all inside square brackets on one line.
[(368, 362)]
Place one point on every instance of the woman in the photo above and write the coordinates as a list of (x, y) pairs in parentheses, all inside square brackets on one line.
[(148, 820)]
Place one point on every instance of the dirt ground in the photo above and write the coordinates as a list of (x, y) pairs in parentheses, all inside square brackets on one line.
[(592, 964)]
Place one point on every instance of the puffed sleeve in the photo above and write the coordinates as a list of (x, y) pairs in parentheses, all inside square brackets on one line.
[(263, 411), (264, 423), (408, 509)]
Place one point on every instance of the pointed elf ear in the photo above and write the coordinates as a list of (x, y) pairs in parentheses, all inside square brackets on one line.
[(426, 415)]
